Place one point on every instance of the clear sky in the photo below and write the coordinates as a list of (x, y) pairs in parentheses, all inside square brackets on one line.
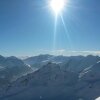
[(27, 27)]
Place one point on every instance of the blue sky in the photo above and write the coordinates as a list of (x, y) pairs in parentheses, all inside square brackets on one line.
[(27, 27)]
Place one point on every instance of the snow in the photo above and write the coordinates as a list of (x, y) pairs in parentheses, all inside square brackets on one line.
[(97, 98), (52, 80)]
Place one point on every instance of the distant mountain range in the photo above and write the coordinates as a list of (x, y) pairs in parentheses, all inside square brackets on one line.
[(48, 77), (71, 63)]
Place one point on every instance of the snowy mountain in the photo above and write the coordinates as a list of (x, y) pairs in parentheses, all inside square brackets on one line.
[(79, 63), (89, 84), (59, 78), (12, 68), (37, 59), (48, 83), (71, 63)]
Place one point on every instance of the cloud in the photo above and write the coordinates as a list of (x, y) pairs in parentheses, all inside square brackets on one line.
[(70, 53)]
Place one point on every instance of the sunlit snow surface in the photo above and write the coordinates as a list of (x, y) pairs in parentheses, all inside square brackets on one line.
[(97, 98)]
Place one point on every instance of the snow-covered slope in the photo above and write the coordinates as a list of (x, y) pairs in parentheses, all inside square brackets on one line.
[(77, 78), (79, 63), (39, 61), (89, 84), (97, 98), (48, 83), (71, 63), (12, 68)]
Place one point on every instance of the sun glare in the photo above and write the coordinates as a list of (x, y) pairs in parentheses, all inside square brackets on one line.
[(57, 5)]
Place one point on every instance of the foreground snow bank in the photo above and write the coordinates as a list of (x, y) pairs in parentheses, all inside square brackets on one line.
[(97, 98)]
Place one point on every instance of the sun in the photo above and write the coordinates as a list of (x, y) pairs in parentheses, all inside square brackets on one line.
[(57, 5)]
